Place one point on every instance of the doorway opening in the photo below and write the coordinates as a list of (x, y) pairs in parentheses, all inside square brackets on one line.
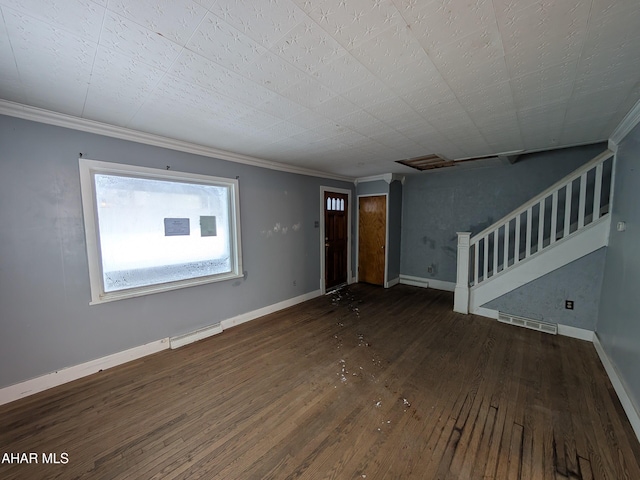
[(372, 239), (335, 238)]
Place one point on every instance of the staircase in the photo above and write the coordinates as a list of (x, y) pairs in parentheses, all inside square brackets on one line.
[(562, 224)]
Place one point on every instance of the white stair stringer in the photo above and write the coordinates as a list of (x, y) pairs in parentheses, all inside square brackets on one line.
[(579, 244)]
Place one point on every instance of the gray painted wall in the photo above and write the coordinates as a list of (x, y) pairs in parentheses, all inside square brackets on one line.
[(372, 188), (395, 230), (544, 298), (45, 317), (439, 203), (618, 325)]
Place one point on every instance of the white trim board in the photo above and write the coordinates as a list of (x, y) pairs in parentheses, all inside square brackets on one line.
[(627, 404), (26, 112), (386, 177), (427, 283), (575, 332), (486, 312), (627, 124), (93, 236), (239, 319), (564, 251), (564, 330), (69, 374), (191, 337), (261, 312), (574, 175), (392, 283), (75, 372)]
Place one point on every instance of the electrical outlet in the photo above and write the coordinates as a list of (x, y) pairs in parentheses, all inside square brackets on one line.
[(295, 283), (430, 269), (568, 304)]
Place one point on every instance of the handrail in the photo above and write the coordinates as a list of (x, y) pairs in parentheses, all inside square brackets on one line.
[(494, 251), (535, 200)]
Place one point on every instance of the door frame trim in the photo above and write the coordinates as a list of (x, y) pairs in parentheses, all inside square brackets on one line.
[(386, 236), (349, 193)]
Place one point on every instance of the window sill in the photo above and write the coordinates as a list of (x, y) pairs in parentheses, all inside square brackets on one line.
[(164, 287)]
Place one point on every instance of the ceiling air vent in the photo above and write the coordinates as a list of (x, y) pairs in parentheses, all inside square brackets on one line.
[(427, 162)]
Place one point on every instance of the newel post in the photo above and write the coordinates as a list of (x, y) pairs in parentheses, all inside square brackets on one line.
[(461, 294)]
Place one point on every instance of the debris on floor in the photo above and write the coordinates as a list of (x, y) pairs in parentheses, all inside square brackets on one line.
[(343, 295)]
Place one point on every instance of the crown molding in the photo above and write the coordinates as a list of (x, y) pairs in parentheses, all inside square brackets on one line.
[(35, 114), (626, 125), (386, 177)]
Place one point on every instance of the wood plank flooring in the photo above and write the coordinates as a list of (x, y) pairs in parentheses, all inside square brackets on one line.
[(365, 383)]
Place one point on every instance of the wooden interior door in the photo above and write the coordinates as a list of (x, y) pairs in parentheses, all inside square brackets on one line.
[(372, 228), (336, 230)]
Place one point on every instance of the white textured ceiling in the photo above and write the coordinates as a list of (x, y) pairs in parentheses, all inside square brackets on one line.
[(342, 86)]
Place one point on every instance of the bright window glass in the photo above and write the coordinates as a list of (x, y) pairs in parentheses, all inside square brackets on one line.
[(150, 230)]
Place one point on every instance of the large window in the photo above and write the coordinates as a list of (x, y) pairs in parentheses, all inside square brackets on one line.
[(153, 230)]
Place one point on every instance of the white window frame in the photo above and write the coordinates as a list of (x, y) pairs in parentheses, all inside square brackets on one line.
[(88, 168)]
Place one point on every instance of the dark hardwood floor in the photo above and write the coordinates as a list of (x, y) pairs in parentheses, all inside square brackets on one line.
[(365, 383)]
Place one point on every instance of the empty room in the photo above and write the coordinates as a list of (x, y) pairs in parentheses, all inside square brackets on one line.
[(350, 239)]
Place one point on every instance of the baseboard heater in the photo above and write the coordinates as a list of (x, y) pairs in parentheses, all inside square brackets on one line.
[(541, 326), (187, 338)]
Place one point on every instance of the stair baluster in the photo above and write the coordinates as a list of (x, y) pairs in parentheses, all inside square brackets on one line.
[(479, 256)]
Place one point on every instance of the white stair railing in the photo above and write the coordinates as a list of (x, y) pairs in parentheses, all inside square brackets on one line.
[(578, 200)]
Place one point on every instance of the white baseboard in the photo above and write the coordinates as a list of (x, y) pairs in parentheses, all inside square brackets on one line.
[(427, 283), (414, 281), (53, 379), (201, 334), (575, 332), (564, 330), (442, 285), (65, 375), (392, 283), (246, 317), (627, 404), (486, 312)]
